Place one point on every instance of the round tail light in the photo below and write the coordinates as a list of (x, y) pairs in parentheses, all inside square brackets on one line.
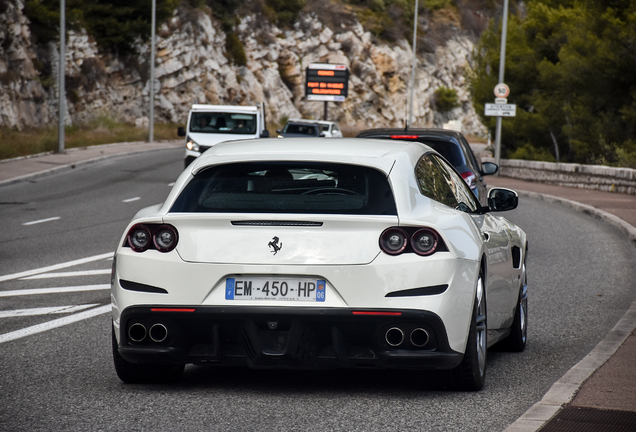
[(424, 241), (393, 241), (165, 238), (139, 238)]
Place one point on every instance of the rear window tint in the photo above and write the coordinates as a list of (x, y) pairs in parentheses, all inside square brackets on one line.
[(223, 123), (301, 129), (450, 150), (288, 187)]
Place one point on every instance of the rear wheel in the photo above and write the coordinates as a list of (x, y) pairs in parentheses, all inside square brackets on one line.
[(516, 340), (470, 375), (132, 373)]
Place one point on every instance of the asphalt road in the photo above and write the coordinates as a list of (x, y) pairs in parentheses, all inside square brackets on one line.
[(56, 374)]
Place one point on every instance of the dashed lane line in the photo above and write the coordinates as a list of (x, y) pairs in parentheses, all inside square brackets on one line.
[(39, 328), (33, 291), (41, 221), (68, 274), (45, 310), (55, 267)]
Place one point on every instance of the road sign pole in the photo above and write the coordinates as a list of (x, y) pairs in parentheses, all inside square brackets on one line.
[(498, 141), (413, 67), (502, 65), (151, 86), (60, 86)]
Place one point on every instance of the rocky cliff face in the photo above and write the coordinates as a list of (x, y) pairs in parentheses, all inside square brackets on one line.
[(191, 67)]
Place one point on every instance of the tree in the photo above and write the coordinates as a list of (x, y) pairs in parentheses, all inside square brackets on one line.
[(114, 24), (569, 66)]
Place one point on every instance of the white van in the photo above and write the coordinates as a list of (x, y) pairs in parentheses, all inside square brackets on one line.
[(211, 124)]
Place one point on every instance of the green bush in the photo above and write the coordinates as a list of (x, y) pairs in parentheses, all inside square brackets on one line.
[(286, 11), (445, 99), (626, 155), (114, 24), (530, 152), (234, 49)]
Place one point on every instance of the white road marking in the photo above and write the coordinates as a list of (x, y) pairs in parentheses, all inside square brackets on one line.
[(39, 328), (68, 274), (45, 310), (131, 199), (55, 267), (54, 290), (41, 221)]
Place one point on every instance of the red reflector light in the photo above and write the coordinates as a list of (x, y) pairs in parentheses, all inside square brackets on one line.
[(469, 178), (172, 309), (376, 313), (404, 137)]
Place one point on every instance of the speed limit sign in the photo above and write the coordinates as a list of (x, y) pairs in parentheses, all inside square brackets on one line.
[(502, 90)]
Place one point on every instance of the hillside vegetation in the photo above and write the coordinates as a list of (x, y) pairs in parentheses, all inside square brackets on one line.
[(570, 68), (117, 24)]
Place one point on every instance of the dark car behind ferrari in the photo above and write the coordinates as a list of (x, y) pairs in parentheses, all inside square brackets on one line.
[(452, 145)]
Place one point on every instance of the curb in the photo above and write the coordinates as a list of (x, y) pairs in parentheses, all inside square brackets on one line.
[(563, 391)]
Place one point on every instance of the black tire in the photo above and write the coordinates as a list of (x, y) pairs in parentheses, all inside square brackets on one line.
[(133, 373), (516, 340), (470, 375)]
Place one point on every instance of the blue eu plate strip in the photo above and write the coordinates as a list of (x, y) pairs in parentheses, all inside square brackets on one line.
[(229, 289), (320, 291)]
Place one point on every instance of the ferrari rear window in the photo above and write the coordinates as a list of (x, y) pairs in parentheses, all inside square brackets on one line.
[(288, 187)]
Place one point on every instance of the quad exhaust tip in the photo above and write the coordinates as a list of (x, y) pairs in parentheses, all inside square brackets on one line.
[(419, 337), (394, 336), (137, 332), (157, 333)]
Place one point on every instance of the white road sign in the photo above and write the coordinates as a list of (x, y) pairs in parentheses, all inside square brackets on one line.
[(501, 90), (501, 110)]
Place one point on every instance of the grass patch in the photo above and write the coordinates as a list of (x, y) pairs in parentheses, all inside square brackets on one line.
[(14, 143)]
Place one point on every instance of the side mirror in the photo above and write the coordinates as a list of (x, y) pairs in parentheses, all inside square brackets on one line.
[(500, 199), (279, 131), (265, 133), (489, 168), (181, 131)]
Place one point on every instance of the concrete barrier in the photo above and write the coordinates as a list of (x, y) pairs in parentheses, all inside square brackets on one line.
[(604, 178)]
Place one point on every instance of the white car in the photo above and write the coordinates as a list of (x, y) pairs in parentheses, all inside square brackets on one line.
[(330, 129), (327, 129), (313, 253)]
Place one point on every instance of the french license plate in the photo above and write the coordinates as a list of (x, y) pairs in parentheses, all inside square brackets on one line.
[(251, 288)]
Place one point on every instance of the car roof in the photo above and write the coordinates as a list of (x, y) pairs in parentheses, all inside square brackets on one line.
[(310, 121), (224, 108), (456, 151), (303, 122), (420, 132), (378, 153)]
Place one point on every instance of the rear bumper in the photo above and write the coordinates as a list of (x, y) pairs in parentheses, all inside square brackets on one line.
[(284, 337)]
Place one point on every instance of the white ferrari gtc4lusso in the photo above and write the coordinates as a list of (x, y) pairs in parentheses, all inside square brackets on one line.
[(313, 253)]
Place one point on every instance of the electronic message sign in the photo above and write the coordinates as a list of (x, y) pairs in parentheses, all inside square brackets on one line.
[(326, 82)]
